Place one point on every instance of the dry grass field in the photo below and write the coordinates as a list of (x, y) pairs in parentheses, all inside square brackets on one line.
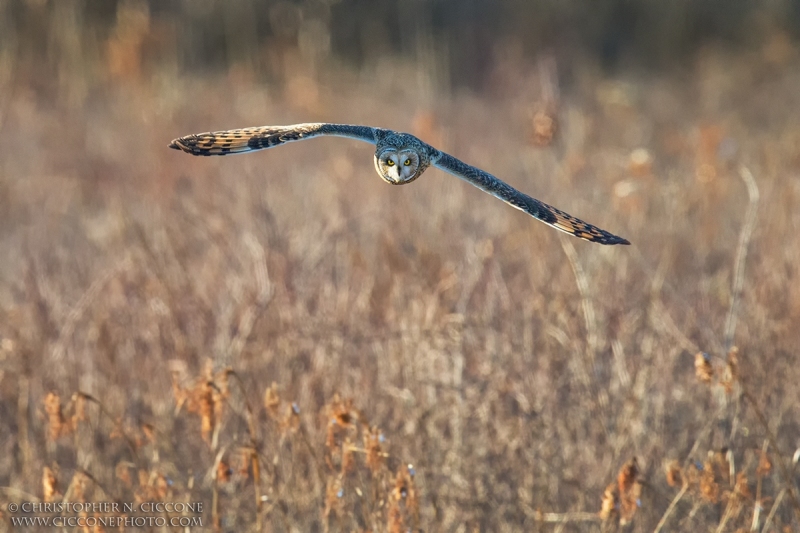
[(282, 335)]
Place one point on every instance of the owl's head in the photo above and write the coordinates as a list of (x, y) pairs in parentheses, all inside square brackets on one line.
[(399, 165)]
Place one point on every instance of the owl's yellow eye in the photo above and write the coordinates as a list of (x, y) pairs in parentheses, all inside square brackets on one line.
[(408, 162), (389, 163)]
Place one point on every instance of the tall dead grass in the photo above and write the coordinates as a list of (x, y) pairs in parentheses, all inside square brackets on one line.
[(286, 338)]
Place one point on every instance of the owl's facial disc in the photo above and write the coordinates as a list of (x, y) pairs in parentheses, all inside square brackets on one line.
[(397, 166)]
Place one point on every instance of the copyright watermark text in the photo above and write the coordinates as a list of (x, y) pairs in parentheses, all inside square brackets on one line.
[(106, 514)]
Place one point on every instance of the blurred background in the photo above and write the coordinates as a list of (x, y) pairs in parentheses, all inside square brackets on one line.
[(281, 335)]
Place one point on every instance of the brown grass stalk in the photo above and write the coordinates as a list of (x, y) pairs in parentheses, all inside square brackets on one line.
[(741, 254)]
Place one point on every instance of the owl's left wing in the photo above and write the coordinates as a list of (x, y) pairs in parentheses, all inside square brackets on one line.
[(537, 209), (250, 139)]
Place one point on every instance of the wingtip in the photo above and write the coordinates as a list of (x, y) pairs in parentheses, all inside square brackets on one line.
[(609, 239), (174, 145)]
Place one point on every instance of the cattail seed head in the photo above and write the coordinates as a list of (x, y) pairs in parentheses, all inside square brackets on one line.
[(674, 474), (49, 485), (55, 417), (702, 367)]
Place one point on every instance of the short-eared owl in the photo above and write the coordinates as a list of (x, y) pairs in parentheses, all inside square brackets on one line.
[(399, 158)]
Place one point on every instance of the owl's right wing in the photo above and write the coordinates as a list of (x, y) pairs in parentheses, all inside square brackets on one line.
[(250, 139), (546, 213)]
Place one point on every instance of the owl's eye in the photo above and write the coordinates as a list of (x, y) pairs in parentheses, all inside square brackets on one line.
[(389, 163), (408, 162)]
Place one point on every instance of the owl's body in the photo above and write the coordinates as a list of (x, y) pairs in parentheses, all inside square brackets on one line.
[(400, 158)]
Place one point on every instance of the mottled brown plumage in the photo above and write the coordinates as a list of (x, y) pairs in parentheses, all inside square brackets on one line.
[(400, 158)]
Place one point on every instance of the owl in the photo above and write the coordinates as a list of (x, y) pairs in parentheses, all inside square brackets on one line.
[(400, 158)]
